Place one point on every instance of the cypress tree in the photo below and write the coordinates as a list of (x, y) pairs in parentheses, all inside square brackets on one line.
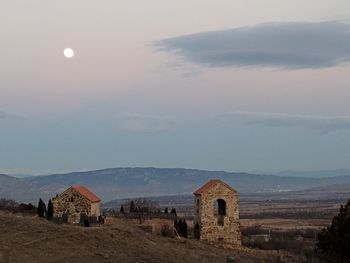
[(132, 207), (41, 208), (176, 226), (166, 211), (181, 227), (50, 210), (334, 242), (122, 209), (184, 229)]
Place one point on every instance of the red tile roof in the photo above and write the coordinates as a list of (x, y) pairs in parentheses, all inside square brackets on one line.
[(211, 184), (86, 192)]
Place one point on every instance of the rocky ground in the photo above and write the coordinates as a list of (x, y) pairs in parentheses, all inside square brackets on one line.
[(30, 239)]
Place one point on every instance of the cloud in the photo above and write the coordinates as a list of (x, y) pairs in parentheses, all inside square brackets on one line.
[(140, 123), (266, 119), (6, 115), (287, 45), (25, 172)]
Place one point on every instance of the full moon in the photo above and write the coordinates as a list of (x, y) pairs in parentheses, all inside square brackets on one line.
[(68, 52)]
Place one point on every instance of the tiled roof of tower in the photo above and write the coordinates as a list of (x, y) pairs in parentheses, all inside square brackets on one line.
[(211, 184), (86, 192)]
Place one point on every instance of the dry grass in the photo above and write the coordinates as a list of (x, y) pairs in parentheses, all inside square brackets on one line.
[(30, 239)]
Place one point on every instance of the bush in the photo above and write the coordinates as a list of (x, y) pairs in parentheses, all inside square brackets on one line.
[(167, 231), (8, 205), (26, 209)]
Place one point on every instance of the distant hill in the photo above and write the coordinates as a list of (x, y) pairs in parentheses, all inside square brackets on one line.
[(316, 174), (330, 193), (18, 189), (116, 183)]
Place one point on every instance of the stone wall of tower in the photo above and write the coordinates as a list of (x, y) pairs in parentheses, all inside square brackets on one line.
[(95, 209), (210, 229)]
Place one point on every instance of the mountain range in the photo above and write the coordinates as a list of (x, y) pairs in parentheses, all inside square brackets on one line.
[(316, 174), (116, 183)]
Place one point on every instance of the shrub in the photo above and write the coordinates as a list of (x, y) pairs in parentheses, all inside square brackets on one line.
[(26, 209), (8, 205), (167, 231)]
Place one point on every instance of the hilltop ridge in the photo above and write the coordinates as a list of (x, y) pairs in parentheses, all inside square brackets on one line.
[(114, 183)]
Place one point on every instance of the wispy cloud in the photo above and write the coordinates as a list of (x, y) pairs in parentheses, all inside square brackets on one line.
[(140, 123), (25, 172), (288, 45), (6, 115), (267, 119)]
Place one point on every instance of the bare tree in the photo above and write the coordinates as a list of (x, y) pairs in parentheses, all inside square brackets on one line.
[(142, 205)]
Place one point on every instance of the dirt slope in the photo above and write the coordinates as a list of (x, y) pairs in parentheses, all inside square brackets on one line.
[(28, 239)]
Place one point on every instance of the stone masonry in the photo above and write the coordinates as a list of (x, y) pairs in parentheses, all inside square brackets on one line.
[(74, 203), (216, 213)]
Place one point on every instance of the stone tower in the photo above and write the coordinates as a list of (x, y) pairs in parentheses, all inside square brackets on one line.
[(216, 213)]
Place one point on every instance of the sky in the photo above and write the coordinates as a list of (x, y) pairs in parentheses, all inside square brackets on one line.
[(243, 85)]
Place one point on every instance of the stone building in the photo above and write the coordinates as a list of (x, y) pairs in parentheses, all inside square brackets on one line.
[(76, 204), (216, 213)]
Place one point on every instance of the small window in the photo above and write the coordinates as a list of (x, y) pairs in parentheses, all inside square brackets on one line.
[(220, 207)]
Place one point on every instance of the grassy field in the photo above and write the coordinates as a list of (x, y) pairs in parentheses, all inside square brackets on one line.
[(30, 239), (289, 226), (289, 209)]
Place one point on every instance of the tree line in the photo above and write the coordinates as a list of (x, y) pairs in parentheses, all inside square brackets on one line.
[(144, 205), (12, 206)]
